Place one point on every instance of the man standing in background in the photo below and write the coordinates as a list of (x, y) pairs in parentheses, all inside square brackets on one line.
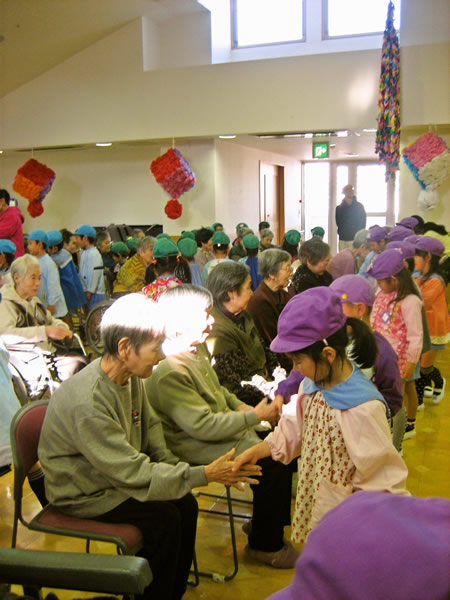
[(350, 217)]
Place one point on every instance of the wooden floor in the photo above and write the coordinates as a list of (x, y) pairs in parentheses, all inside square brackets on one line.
[(429, 475)]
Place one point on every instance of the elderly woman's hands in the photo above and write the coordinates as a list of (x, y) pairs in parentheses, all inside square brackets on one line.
[(266, 411), (221, 471), (57, 332)]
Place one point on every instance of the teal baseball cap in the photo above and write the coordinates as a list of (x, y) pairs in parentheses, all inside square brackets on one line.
[(54, 237), (86, 230), (38, 235)]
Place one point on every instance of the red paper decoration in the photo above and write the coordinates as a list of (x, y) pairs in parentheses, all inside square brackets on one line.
[(33, 181), (173, 209), (174, 174)]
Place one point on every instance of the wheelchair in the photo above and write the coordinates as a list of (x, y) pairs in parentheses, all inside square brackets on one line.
[(34, 371)]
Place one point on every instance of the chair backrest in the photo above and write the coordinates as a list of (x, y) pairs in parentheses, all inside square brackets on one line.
[(25, 430)]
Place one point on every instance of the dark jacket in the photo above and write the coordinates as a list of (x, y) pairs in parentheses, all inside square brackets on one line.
[(304, 279), (350, 218)]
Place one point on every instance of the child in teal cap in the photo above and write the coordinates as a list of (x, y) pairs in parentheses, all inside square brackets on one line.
[(168, 270)]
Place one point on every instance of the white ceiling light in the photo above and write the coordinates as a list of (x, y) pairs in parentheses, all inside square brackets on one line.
[(369, 130), (227, 137), (342, 133), (103, 144)]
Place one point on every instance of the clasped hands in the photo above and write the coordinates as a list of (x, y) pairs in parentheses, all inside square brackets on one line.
[(223, 470)]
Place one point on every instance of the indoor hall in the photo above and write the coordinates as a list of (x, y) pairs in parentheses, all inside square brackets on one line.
[(152, 78)]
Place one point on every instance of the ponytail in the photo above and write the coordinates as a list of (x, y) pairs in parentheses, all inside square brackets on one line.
[(364, 348), (183, 270)]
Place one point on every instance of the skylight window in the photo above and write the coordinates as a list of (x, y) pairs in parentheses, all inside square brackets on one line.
[(357, 17), (260, 22)]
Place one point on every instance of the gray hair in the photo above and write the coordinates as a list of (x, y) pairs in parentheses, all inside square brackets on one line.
[(360, 238), (265, 233), (270, 261), (244, 231), (22, 265), (178, 303), (145, 243), (227, 276), (135, 317), (101, 237)]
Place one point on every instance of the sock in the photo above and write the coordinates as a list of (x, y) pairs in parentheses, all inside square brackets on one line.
[(420, 389), (437, 379), (36, 481)]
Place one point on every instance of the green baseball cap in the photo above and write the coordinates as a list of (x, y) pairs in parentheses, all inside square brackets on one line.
[(119, 248), (220, 238), (164, 247), (292, 237), (250, 241), (187, 247)]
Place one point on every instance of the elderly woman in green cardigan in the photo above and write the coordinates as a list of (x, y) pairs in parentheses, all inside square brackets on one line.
[(201, 418), (235, 343)]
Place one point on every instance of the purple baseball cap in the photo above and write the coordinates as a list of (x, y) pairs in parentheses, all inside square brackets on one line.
[(413, 239), (308, 318), (409, 222), (430, 244), (387, 264), (353, 289), (406, 248), (398, 233), (375, 545), (376, 234)]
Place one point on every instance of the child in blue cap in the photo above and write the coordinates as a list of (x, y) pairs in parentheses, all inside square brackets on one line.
[(397, 315), (340, 432), (91, 265), (7, 251)]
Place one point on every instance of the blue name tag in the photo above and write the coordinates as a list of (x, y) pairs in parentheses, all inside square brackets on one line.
[(386, 317)]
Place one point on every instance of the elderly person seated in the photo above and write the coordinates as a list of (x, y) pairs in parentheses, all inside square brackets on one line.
[(131, 276), (201, 419), (270, 297), (25, 324), (103, 452), (234, 342), (349, 260)]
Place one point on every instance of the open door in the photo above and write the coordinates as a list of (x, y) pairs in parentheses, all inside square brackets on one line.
[(271, 198)]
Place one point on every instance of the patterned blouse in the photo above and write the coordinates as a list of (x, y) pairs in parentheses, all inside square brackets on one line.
[(161, 284)]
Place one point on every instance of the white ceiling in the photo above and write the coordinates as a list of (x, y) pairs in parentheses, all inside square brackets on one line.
[(36, 35)]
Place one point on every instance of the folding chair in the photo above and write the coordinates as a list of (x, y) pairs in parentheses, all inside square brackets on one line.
[(226, 496), (25, 431), (102, 573)]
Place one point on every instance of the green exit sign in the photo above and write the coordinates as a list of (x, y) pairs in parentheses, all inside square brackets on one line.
[(320, 150)]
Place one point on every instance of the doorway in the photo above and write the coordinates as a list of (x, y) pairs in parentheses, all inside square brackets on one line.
[(271, 198), (322, 191)]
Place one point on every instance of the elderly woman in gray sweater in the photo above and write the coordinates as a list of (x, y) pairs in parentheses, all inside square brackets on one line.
[(103, 451)]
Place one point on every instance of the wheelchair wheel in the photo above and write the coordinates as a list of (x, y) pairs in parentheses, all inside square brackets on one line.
[(92, 325)]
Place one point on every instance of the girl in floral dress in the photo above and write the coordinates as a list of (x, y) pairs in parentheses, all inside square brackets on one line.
[(340, 432), (397, 314), (168, 270)]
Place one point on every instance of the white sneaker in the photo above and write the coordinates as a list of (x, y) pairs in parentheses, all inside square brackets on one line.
[(428, 391), (438, 394)]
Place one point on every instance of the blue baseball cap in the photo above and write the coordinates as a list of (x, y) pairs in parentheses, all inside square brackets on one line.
[(54, 237), (7, 246), (38, 235), (86, 230)]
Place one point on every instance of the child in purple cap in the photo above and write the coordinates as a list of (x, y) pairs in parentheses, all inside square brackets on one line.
[(340, 432), (397, 315), (357, 298), (432, 287)]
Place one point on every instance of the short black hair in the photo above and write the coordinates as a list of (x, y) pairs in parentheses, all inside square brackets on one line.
[(5, 195), (313, 251), (203, 236)]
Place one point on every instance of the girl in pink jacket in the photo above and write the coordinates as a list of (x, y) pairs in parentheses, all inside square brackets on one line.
[(397, 314), (340, 432)]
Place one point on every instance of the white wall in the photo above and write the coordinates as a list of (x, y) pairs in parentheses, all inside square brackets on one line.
[(237, 185), (110, 185)]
